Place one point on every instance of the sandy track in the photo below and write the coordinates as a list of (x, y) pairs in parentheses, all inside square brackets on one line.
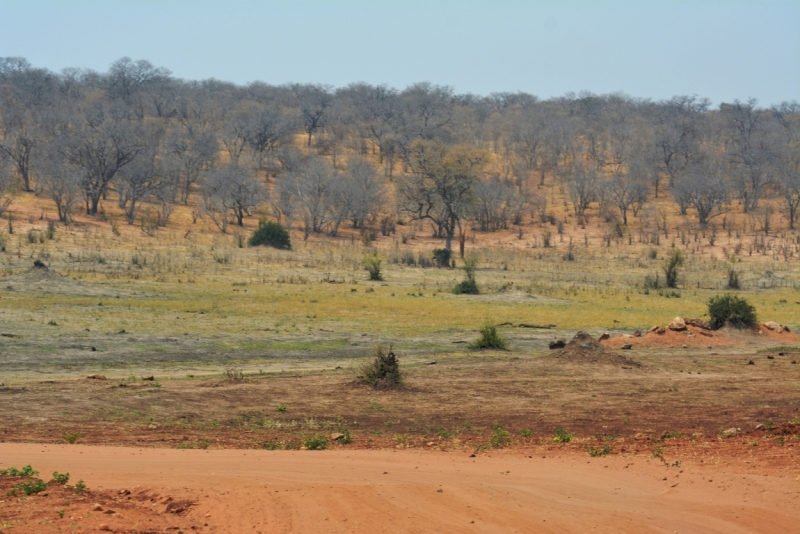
[(398, 491)]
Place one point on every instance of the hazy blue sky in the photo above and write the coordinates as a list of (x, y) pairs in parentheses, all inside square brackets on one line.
[(721, 50)]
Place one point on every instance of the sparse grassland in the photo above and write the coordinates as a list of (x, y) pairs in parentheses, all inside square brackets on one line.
[(189, 293), (226, 330)]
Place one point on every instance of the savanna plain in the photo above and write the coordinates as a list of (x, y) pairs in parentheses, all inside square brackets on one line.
[(195, 383)]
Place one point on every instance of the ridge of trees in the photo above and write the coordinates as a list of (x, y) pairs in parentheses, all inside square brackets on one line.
[(321, 157)]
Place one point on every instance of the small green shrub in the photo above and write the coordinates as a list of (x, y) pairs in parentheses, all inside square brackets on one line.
[(732, 310), (670, 434), (652, 254), (72, 437), (595, 452), (281, 408), (270, 234), (372, 264), (315, 443), (671, 266), (28, 488), (562, 435), (382, 372), (80, 487), (500, 437), (489, 339), (468, 286), (526, 433), (26, 471), (60, 478), (443, 433)]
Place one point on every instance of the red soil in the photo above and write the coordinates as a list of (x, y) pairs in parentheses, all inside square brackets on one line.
[(716, 487)]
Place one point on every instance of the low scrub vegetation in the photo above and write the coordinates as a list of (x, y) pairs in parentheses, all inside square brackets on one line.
[(489, 339), (731, 310), (382, 371)]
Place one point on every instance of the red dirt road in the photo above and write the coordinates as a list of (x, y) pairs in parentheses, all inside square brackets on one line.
[(394, 491)]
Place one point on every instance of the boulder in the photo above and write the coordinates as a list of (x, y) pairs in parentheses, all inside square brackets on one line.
[(677, 325), (558, 344), (653, 329), (627, 346), (699, 323), (638, 333), (775, 327), (604, 337)]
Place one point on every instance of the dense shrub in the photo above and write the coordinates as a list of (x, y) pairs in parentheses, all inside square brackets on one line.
[(732, 310), (441, 256), (373, 265), (467, 287), (489, 339), (315, 443), (270, 234), (382, 371)]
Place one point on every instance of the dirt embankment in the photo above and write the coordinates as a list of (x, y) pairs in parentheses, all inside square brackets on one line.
[(584, 349), (43, 281), (693, 333)]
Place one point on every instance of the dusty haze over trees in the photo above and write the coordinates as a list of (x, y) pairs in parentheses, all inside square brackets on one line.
[(317, 157)]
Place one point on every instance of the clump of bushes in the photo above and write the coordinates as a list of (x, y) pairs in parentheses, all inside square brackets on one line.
[(382, 371), (562, 435), (315, 443), (489, 339), (373, 266), (468, 286), (270, 234), (500, 437), (732, 310)]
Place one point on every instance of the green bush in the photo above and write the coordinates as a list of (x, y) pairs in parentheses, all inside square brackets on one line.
[(373, 265), (315, 443), (26, 471), (468, 286), (28, 488), (500, 437), (732, 310), (489, 339), (60, 478), (595, 452), (270, 234), (671, 266), (562, 435), (382, 372)]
